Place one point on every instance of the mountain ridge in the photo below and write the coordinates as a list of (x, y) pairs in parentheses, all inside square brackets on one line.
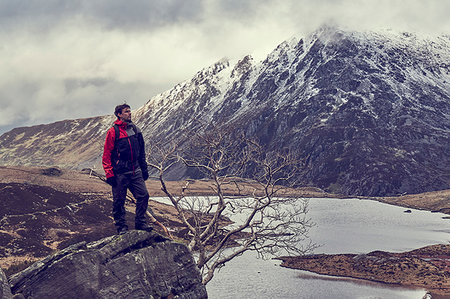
[(369, 112)]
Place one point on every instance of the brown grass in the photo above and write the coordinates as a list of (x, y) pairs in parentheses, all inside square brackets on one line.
[(82, 182)]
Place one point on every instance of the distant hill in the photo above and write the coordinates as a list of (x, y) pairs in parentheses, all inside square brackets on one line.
[(370, 113)]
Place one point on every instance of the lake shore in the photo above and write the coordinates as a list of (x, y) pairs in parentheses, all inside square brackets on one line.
[(84, 181), (427, 267)]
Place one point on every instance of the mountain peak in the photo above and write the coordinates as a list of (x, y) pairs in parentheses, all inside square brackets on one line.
[(367, 111), (215, 68), (242, 66)]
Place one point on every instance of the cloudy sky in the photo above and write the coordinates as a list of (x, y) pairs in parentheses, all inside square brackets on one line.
[(64, 59)]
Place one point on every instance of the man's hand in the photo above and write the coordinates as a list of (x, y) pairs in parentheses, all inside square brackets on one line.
[(145, 174), (112, 181)]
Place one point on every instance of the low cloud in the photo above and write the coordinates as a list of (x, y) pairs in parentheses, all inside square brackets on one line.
[(134, 15), (71, 59)]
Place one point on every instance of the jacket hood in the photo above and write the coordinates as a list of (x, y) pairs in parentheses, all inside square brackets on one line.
[(121, 123)]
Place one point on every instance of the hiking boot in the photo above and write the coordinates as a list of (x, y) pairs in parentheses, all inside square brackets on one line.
[(144, 226), (122, 230)]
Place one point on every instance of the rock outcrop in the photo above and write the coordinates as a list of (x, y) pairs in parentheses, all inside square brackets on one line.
[(5, 290), (137, 264)]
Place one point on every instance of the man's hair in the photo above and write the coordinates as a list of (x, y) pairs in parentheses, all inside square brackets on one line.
[(119, 109)]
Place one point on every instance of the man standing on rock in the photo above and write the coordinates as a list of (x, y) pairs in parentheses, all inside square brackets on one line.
[(126, 168)]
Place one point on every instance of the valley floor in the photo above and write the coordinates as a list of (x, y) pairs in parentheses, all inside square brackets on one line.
[(82, 212), (76, 181)]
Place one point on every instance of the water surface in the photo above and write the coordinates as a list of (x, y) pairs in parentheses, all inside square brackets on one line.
[(343, 226)]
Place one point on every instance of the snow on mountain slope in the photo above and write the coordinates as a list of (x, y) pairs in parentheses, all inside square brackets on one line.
[(370, 111)]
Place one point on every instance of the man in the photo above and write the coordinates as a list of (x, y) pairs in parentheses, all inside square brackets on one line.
[(126, 168)]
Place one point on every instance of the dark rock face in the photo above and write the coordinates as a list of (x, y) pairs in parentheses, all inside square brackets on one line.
[(5, 290), (369, 112), (135, 265)]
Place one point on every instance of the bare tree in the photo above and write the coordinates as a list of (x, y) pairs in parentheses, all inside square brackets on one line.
[(264, 217)]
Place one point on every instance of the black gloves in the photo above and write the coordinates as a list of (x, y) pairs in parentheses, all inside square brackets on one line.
[(112, 181), (145, 174)]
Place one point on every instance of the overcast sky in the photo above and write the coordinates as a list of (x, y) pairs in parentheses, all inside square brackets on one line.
[(65, 59)]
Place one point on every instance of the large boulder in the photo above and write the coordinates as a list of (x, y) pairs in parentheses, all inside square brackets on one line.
[(137, 264), (5, 290)]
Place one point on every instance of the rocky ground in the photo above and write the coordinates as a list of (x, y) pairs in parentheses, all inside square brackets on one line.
[(427, 267), (47, 209), (107, 268)]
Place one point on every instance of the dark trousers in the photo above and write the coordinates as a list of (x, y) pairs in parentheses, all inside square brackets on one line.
[(135, 183)]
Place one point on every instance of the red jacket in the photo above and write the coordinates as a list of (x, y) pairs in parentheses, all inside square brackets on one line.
[(125, 154)]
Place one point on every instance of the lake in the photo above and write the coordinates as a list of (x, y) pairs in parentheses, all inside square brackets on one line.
[(343, 226)]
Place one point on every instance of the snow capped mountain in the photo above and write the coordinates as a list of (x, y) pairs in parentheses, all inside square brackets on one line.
[(369, 111)]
